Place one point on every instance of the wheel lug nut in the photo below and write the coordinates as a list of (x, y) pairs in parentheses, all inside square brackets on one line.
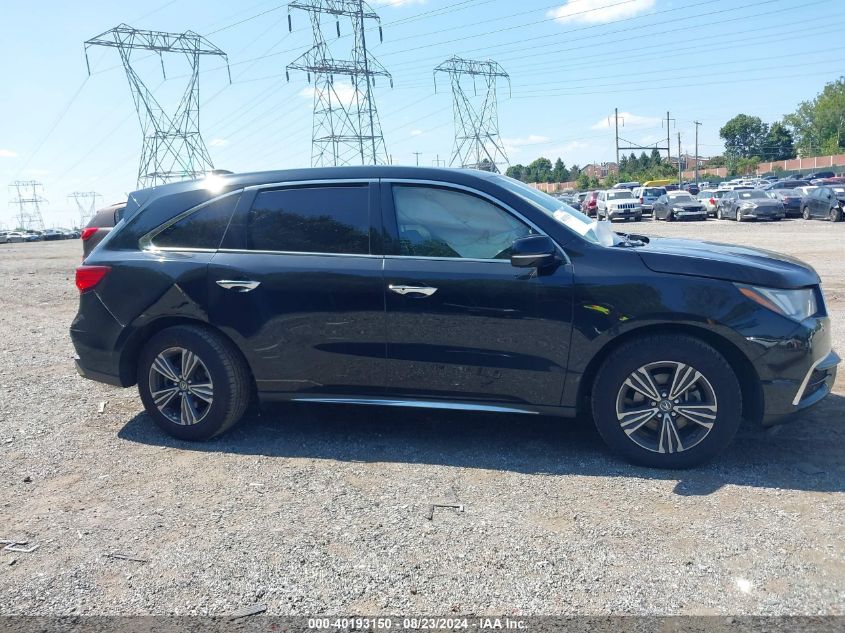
[(677, 401), (653, 404)]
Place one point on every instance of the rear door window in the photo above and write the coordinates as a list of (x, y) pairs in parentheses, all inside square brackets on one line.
[(318, 219)]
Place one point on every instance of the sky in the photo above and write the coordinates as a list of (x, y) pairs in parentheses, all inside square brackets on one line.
[(570, 62)]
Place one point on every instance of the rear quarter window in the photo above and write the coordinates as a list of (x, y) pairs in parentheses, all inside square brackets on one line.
[(203, 228)]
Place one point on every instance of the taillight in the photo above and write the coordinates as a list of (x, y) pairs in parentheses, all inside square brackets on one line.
[(87, 277), (713, 201), (642, 200), (87, 233)]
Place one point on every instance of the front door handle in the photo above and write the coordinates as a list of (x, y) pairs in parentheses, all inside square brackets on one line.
[(238, 285), (413, 290)]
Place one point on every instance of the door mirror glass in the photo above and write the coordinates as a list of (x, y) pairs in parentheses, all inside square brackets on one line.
[(533, 251)]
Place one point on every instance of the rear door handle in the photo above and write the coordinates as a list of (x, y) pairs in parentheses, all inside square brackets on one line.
[(238, 285), (413, 290)]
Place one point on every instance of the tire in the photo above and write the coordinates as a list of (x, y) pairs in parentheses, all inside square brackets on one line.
[(805, 212), (835, 215), (670, 217), (738, 216), (715, 393), (188, 414), (719, 214)]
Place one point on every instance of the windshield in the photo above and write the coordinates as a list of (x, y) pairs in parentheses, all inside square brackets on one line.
[(560, 211), (653, 192), (619, 195)]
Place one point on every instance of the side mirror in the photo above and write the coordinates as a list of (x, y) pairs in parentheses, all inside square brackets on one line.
[(534, 251)]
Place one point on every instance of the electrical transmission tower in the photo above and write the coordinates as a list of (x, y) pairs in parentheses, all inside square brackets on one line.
[(25, 195), (173, 148), (477, 141), (86, 203), (346, 128)]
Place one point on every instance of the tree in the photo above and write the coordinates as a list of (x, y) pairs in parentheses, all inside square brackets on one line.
[(656, 158), (717, 161), (645, 161), (623, 164), (633, 164), (583, 181), (610, 180), (574, 172), (560, 173), (819, 125), (747, 166), (779, 145), (744, 136), (516, 171), (539, 171)]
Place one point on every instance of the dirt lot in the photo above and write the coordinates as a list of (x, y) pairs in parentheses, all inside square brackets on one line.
[(324, 509)]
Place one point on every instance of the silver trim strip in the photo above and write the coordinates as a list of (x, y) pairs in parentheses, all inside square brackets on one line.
[(296, 183), (418, 404), (806, 380), (245, 251)]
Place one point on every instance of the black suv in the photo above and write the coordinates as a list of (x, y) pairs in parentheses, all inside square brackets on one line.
[(418, 287)]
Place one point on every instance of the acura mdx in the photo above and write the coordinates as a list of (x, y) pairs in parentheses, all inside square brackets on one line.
[(416, 287)]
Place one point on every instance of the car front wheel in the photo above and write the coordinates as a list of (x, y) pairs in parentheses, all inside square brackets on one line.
[(667, 402), (193, 382), (835, 214), (805, 213)]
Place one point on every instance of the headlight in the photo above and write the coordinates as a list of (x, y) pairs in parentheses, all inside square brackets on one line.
[(678, 209), (747, 205), (795, 304)]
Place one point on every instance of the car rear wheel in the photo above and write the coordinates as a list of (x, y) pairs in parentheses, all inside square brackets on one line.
[(193, 382), (805, 212), (667, 402), (718, 214)]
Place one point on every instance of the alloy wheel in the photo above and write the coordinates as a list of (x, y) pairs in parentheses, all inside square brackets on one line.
[(666, 407), (181, 386)]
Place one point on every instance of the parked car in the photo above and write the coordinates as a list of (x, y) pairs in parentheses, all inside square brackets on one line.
[(819, 174), (618, 204), (3, 238), (671, 187), (590, 203), (425, 287), (824, 202), (647, 196), (52, 235), (749, 204), (678, 205), (805, 190), (626, 185), (786, 184), (100, 225), (692, 189), (579, 200), (16, 237), (710, 199), (790, 199)]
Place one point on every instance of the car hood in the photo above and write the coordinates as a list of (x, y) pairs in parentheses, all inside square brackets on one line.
[(726, 261)]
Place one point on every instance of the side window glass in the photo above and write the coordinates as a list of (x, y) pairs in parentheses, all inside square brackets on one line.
[(436, 222), (203, 228), (322, 219)]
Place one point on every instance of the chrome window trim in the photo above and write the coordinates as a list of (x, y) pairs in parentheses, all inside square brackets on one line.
[(145, 243), (246, 251), (486, 196)]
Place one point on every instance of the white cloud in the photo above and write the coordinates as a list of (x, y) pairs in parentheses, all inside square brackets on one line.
[(417, 132), (599, 11), (515, 145), (344, 91), (217, 142), (7, 153), (626, 120)]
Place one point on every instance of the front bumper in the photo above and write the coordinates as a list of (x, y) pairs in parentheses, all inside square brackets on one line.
[(787, 398), (624, 214)]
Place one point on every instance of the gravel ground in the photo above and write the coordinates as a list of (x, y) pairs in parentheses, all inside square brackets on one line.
[(323, 510)]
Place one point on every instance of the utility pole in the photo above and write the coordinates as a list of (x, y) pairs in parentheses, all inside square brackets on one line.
[(616, 118), (346, 130), (680, 178), (697, 123), (477, 141), (437, 162), (417, 154), (173, 148)]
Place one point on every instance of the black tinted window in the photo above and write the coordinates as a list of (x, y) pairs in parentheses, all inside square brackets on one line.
[(442, 223), (203, 228), (311, 220)]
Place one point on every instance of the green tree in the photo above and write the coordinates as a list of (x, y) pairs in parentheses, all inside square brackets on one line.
[(744, 136), (717, 161), (583, 181), (560, 173), (747, 166), (610, 180), (633, 164), (779, 144), (655, 158), (623, 164), (540, 170), (819, 125), (574, 172), (645, 161), (516, 171)]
